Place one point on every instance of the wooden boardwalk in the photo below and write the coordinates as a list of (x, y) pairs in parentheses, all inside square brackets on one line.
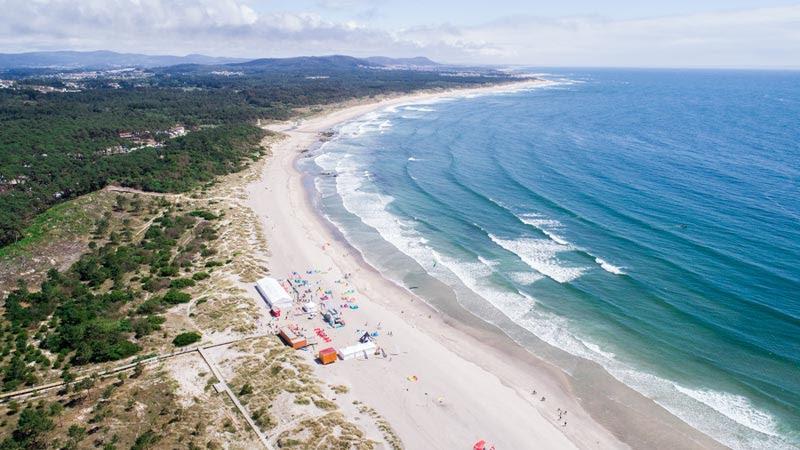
[(24, 394)]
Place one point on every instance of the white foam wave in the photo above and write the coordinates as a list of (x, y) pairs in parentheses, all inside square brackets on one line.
[(411, 158), (540, 255), (728, 418), (731, 419), (556, 238), (608, 267), (418, 108), (690, 405), (488, 262), (326, 161), (596, 349), (546, 226), (369, 123), (734, 407), (371, 208), (524, 278)]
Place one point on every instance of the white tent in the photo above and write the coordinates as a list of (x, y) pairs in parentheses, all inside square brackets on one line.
[(274, 294), (355, 350)]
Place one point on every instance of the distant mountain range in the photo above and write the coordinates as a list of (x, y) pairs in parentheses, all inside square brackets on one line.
[(332, 62), (103, 59), (419, 61)]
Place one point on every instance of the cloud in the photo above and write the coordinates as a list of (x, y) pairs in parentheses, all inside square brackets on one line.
[(182, 26), (756, 37), (349, 4)]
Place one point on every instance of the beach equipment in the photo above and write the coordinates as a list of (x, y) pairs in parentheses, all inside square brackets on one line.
[(332, 317), (322, 335), (310, 307), (481, 445), (412, 378)]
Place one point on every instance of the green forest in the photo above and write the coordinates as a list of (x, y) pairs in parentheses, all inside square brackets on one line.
[(53, 146)]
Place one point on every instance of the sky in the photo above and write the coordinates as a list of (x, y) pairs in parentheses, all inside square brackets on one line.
[(610, 33)]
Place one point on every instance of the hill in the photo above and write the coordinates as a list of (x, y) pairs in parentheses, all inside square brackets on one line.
[(101, 59), (419, 61), (303, 63)]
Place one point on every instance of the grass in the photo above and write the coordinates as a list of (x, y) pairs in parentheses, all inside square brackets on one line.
[(389, 435), (274, 378), (63, 220), (340, 389), (331, 430), (58, 236), (145, 412)]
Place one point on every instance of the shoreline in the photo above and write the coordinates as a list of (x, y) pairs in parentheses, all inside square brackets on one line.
[(491, 395)]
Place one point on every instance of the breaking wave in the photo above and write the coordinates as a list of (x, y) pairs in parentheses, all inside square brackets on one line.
[(540, 255), (731, 419)]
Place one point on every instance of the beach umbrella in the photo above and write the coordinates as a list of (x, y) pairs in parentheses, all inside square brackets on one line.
[(480, 445)]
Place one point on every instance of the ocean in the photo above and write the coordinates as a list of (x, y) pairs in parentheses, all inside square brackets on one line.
[(646, 220)]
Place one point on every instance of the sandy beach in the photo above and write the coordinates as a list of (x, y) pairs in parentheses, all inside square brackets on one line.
[(443, 384)]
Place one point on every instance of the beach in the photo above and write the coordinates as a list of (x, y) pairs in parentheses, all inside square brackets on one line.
[(446, 382)]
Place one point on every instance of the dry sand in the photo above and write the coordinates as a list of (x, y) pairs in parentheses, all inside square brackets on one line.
[(465, 390)]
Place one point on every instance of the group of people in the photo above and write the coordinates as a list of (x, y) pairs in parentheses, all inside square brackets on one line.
[(562, 413)]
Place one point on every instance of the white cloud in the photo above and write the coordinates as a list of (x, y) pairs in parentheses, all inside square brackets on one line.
[(759, 37)]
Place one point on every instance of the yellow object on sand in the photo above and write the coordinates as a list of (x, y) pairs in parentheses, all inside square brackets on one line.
[(412, 378)]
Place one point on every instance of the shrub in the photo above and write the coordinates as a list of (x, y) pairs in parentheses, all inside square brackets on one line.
[(208, 215), (174, 296), (150, 306), (168, 271), (187, 338), (246, 389), (180, 283), (145, 440)]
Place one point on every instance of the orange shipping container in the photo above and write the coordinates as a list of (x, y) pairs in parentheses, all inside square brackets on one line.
[(327, 355), (292, 339)]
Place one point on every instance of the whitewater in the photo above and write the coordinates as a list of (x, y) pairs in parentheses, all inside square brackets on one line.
[(619, 216)]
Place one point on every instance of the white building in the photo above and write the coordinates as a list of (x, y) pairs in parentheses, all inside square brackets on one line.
[(274, 294)]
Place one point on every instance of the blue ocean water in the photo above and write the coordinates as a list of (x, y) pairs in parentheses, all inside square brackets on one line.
[(646, 220)]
